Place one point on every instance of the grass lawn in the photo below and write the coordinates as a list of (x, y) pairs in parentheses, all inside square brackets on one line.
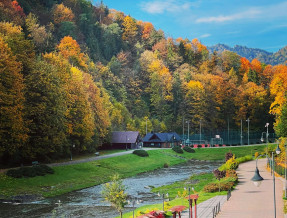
[(74, 177), (219, 153), (83, 175), (84, 156)]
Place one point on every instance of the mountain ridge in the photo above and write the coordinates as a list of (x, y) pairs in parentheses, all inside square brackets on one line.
[(279, 57)]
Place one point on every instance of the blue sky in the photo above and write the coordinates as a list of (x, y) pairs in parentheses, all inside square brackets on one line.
[(253, 23)]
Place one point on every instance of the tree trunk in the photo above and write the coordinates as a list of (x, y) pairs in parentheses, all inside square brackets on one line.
[(121, 214)]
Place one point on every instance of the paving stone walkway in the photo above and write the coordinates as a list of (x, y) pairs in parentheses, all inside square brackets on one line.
[(205, 209), (249, 201)]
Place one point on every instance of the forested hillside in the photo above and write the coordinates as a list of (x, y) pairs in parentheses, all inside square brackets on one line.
[(279, 57), (71, 72)]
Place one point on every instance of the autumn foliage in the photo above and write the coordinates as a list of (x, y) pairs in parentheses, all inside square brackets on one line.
[(71, 73)]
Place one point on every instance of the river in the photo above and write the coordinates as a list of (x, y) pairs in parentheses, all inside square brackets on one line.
[(89, 203)]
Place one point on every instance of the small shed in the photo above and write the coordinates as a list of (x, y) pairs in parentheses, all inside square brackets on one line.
[(126, 140), (161, 140)]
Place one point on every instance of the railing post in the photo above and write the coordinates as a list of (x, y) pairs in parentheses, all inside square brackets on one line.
[(195, 208)]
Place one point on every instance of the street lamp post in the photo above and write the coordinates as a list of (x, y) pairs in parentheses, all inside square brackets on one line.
[(188, 131), (257, 179), (200, 131), (183, 131), (241, 136), (248, 121), (266, 125), (133, 202), (163, 197), (73, 146)]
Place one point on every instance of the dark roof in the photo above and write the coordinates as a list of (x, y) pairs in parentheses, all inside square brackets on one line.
[(161, 137), (125, 137)]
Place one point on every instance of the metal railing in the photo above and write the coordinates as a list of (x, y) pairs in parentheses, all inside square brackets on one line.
[(279, 169), (216, 209)]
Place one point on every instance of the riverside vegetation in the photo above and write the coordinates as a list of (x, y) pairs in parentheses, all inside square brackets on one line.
[(69, 178)]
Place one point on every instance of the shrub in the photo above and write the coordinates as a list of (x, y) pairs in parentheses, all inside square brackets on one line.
[(256, 154), (199, 146), (37, 170), (214, 187), (227, 144), (232, 174), (14, 173), (227, 185), (211, 187), (219, 174), (220, 145), (141, 153), (232, 164), (191, 146), (244, 159), (165, 165), (228, 155), (28, 171), (188, 149), (177, 149), (44, 168)]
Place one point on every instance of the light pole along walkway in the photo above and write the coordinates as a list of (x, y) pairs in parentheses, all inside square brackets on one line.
[(249, 201)]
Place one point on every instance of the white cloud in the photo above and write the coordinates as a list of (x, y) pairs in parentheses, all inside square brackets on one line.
[(205, 35), (262, 12), (251, 13), (159, 6)]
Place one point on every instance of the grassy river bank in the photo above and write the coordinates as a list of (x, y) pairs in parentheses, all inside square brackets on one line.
[(74, 177)]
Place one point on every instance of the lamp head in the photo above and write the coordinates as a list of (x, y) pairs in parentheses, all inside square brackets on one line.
[(257, 179), (278, 150)]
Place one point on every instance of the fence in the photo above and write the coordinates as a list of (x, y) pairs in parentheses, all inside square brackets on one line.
[(279, 169), (216, 209), (229, 137)]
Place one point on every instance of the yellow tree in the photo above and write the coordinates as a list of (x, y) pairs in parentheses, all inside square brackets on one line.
[(101, 115), (129, 29), (251, 102), (195, 101), (278, 89), (71, 50), (61, 13), (13, 132), (81, 123)]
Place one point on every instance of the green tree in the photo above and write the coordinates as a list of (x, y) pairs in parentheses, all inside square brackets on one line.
[(45, 108), (114, 192)]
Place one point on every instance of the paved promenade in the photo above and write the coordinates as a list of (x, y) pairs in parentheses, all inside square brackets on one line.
[(249, 201)]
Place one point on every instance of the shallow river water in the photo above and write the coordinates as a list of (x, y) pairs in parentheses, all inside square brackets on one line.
[(89, 203)]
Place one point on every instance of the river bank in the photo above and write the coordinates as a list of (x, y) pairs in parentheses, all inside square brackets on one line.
[(79, 176)]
